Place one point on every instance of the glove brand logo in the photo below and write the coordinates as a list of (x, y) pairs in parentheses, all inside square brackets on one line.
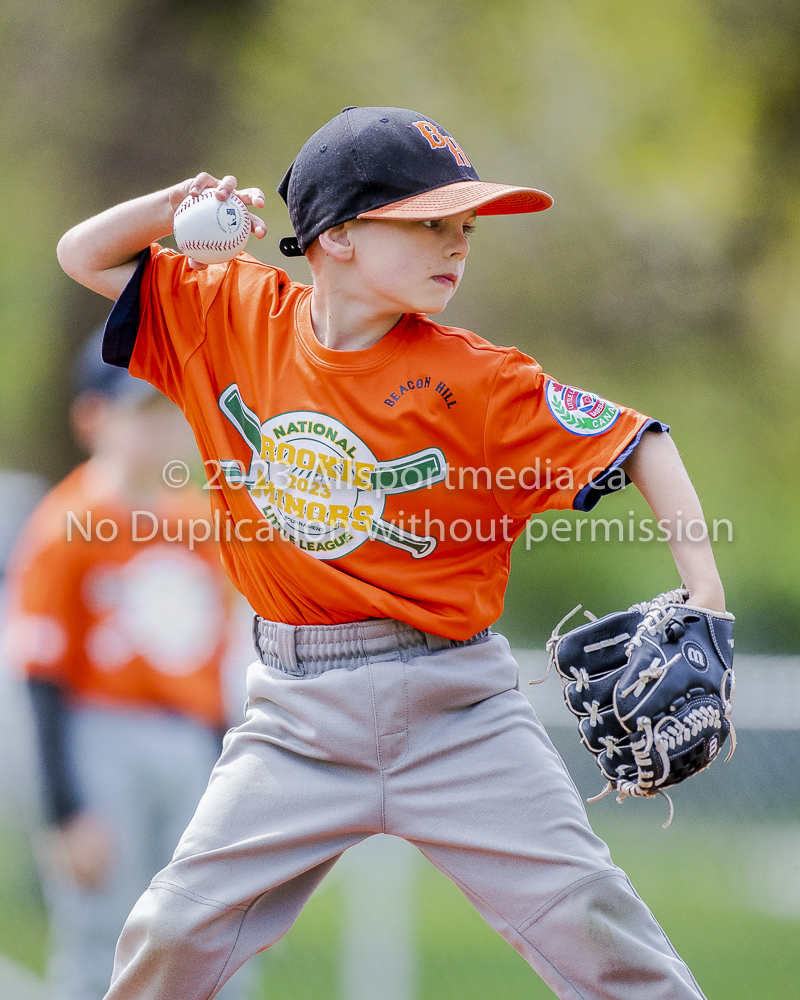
[(579, 412), (695, 655)]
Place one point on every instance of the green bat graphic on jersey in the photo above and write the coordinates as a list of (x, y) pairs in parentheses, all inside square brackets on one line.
[(320, 485)]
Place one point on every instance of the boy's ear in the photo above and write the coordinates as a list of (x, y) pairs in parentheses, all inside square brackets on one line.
[(336, 242)]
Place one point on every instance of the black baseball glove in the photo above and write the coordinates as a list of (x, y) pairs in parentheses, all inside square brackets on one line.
[(651, 688)]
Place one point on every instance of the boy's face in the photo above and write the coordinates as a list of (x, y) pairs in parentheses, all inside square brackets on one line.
[(144, 434), (412, 266)]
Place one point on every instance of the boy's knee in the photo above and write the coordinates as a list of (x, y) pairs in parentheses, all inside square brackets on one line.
[(165, 920), (170, 940), (600, 927)]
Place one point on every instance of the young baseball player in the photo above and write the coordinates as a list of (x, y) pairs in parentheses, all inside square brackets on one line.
[(375, 469), (120, 629)]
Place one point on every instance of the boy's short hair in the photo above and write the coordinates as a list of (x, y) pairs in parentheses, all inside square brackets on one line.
[(388, 163)]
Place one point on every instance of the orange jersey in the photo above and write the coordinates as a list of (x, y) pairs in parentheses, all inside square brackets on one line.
[(124, 621), (389, 482)]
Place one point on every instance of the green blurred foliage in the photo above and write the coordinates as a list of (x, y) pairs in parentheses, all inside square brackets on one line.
[(665, 276)]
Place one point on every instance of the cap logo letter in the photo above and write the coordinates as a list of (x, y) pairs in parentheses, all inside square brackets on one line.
[(438, 141), (431, 133), (457, 151)]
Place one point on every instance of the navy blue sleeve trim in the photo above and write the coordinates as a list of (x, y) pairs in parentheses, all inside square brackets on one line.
[(591, 493), (51, 721), (122, 325)]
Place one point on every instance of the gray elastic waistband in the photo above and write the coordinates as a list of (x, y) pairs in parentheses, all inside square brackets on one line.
[(304, 650)]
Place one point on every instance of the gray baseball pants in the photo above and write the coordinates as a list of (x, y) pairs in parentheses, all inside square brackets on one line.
[(375, 727)]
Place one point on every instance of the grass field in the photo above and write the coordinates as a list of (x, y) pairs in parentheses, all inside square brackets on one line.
[(23, 922), (727, 896)]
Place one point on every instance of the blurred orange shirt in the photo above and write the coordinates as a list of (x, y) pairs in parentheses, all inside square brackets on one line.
[(394, 480), (120, 622)]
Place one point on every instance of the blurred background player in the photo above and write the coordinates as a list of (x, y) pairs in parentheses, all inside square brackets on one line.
[(121, 642)]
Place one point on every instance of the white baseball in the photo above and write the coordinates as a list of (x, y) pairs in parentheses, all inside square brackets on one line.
[(210, 230)]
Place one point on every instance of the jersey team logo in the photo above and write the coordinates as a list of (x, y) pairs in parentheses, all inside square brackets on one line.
[(320, 485), (580, 412)]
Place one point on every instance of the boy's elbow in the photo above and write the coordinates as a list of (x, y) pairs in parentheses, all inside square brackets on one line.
[(68, 256), (79, 258), (77, 261)]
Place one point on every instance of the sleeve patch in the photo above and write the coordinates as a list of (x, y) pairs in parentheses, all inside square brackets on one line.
[(579, 412)]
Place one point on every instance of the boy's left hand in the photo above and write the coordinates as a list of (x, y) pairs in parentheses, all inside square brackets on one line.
[(651, 688)]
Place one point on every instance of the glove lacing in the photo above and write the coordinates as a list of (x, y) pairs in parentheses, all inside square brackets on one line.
[(592, 711), (677, 596), (654, 672), (656, 619), (668, 733), (552, 642), (643, 786), (727, 703), (610, 743), (581, 678)]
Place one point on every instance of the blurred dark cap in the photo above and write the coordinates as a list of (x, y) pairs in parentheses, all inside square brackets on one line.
[(388, 163), (91, 374)]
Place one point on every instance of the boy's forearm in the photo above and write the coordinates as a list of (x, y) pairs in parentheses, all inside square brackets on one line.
[(101, 252), (656, 469)]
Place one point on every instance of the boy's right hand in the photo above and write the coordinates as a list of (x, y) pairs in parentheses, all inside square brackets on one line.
[(223, 189), (102, 252)]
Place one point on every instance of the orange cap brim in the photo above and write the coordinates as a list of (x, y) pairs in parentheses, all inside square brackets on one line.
[(464, 196)]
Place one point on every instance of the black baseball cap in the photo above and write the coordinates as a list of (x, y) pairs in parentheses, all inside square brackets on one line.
[(91, 374), (388, 163)]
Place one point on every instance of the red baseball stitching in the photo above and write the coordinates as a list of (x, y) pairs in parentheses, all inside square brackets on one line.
[(206, 245), (216, 245), (203, 196)]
